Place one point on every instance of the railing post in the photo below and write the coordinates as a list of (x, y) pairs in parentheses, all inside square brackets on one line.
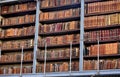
[(21, 65), (81, 36), (45, 57), (70, 56), (98, 54)]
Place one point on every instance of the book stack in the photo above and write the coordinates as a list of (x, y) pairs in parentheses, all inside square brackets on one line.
[(60, 40), (55, 3), (15, 70), (58, 53), (57, 27), (58, 67), (17, 44), (105, 64), (8, 58), (102, 20), (104, 35), (18, 7), (18, 20), (105, 6), (14, 32), (104, 49), (59, 14)]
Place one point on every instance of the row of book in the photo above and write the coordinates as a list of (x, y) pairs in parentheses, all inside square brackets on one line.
[(104, 64), (59, 14), (104, 6), (54, 3), (104, 49), (11, 32), (60, 40), (103, 35), (16, 57), (15, 70), (56, 27), (18, 7), (18, 20), (58, 53), (102, 20), (17, 44), (59, 67)]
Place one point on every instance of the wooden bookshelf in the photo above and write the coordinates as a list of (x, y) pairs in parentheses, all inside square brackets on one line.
[(60, 20), (17, 25), (19, 13), (59, 32), (14, 63)]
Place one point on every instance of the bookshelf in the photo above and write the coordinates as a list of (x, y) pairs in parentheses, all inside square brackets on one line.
[(17, 30), (48, 33)]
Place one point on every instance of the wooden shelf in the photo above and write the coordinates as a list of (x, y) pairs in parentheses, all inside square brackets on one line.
[(17, 25), (58, 59), (67, 6), (49, 21), (16, 49), (59, 32), (103, 56), (63, 7), (59, 46), (18, 62), (101, 41), (102, 27), (102, 13), (78, 30), (17, 37), (19, 13)]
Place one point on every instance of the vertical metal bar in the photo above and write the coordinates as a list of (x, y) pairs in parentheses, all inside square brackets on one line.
[(98, 54), (0, 53), (36, 35), (45, 57), (81, 36), (21, 65), (70, 56)]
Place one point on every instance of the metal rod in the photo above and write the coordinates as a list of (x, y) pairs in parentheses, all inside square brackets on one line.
[(36, 35), (81, 36), (0, 53), (45, 57), (21, 65), (98, 54), (70, 56)]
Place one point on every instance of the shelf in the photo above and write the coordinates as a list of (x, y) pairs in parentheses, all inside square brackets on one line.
[(103, 56), (67, 6), (24, 62), (63, 7), (103, 13), (59, 46), (17, 37), (16, 49), (9, 2), (93, 73), (102, 27), (17, 25), (19, 13), (101, 42), (58, 59), (49, 21), (59, 32)]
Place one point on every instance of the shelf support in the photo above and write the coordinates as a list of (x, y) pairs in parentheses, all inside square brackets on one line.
[(45, 57), (98, 58), (36, 35), (21, 62), (70, 56), (81, 36)]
